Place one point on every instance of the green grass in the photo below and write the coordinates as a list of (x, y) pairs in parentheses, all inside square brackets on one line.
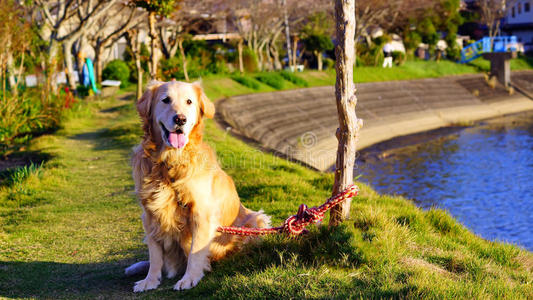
[(246, 81), (220, 86), (271, 79), (520, 63), (76, 228), (289, 76)]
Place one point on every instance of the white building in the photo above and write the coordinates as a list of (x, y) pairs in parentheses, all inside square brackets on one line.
[(519, 22)]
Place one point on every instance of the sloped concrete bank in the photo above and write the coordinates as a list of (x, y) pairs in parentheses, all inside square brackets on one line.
[(301, 123)]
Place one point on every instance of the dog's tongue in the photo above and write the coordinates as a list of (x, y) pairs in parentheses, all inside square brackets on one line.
[(177, 140)]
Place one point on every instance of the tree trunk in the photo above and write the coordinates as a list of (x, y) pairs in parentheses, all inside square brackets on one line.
[(275, 54), (260, 60), (80, 56), (51, 67), (294, 50), (153, 45), (98, 61), (3, 72), (269, 64), (11, 73), (21, 67), (164, 46), (135, 45), (260, 56), (67, 53), (318, 55), (241, 64), (139, 68), (183, 59), (345, 96)]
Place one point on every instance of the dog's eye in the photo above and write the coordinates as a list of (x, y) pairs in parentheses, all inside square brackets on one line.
[(166, 100), (189, 101)]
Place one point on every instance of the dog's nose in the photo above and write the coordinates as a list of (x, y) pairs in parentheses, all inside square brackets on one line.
[(180, 119)]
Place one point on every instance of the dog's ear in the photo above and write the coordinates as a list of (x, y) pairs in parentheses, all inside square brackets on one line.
[(206, 106), (144, 104)]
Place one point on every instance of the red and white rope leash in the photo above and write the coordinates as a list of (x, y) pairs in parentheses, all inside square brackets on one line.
[(296, 224)]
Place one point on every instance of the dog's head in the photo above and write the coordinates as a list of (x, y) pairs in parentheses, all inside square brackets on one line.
[(173, 111)]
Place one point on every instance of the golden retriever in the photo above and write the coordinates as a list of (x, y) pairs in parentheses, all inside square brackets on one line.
[(184, 193)]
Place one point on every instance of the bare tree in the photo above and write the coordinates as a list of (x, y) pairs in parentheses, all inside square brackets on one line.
[(67, 21), (261, 24), (14, 42), (175, 29), (346, 101), (132, 35), (492, 12), (155, 9), (109, 29), (375, 12)]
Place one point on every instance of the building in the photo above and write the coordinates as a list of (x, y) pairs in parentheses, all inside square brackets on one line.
[(519, 22)]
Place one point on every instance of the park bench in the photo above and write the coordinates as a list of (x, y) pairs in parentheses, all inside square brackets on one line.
[(110, 87)]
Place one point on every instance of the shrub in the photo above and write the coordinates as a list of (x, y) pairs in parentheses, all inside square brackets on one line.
[(453, 52), (318, 42), (289, 76), (272, 79), (171, 68), (369, 55), (218, 64), (117, 70), (246, 81), (195, 48), (249, 60), (398, 57), (130, 61), (82, 91), (25, 116), (329, 63)]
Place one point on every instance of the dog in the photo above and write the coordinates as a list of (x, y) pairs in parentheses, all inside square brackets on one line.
[(183, 192)]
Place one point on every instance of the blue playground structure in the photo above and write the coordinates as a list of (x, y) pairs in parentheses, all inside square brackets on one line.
[(488, 45)]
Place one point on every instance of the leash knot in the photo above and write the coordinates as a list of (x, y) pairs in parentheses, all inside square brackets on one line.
[(296, 224)]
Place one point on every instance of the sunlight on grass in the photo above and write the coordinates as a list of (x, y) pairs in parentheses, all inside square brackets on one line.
[(221, 86), (85, 228)]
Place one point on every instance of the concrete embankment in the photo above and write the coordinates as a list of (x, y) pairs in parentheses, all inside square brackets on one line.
[(301, 123)]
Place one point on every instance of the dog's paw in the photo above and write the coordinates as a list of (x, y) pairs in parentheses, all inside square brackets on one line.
[(146, 284), (188, 282)]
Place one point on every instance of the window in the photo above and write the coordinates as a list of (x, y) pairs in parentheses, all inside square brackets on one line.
[(527, 6), (513, 12), (519, 8)]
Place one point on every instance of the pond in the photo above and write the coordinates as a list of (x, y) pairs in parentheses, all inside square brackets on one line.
[(482, 175)]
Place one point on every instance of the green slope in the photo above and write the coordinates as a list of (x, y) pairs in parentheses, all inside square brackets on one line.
[(68, 229)]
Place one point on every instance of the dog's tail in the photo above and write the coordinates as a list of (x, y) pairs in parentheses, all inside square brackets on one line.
[(252, 219)]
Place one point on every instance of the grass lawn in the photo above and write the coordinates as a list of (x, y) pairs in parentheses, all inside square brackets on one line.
[(222, 86), (69, 228)]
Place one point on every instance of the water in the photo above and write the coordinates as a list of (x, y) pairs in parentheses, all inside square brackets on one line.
[(482, 175)]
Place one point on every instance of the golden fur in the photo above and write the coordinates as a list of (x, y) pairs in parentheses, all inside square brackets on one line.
[(184, 193)]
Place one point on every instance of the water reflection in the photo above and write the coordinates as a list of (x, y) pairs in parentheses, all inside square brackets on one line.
[(482, 175)]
